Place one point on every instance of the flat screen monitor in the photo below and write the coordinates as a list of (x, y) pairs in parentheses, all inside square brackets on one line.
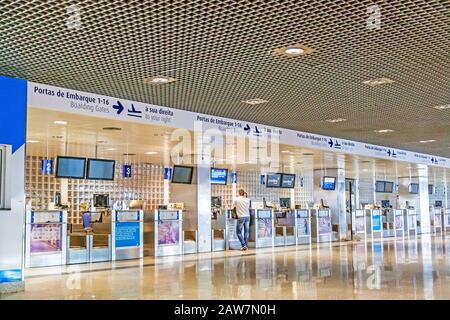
[(274, 180), (219, 176), (288, 180), (216, 202), (328, 183), (101, 200), (285, 202), (430, 189), (385, 203), (413, 188), (438, 204), (388, 187), (182, 174), (70, 167), (379, 186), (100, 169)]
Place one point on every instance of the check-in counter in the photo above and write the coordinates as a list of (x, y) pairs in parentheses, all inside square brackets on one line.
[(302, 226), (399, 223), (376, 223), (437, 220), (232, 239), (127, 234), (321, 225), (78, 245), (446, 219), (168, 232), (388, 223), (45, 238), (263, 234), (219, 231), (359, 220), (410, 218), (285, 229)]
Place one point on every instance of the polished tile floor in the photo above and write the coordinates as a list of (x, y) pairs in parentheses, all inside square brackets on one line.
[(409, 268)]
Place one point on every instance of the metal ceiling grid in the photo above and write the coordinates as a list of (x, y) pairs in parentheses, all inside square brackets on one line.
[(222, 52)]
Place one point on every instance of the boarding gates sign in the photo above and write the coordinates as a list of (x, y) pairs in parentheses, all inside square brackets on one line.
[(89, 104)]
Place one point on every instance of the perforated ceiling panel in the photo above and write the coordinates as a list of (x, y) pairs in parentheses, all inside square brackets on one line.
[(222, 52)]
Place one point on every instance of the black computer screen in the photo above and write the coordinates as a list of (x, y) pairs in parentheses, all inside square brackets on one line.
[(100, 169), (70, 167), (285, 202), (413, 188), (288, 180), (274, 180), (182, 174)]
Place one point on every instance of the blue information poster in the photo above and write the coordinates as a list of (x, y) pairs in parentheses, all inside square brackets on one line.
[(128, 234), (376, 223)]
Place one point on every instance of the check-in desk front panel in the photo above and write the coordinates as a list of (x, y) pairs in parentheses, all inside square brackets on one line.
[(303, 226), (264, 233), (232, 239), (376, 223), (410, 217), (446, 219), (219, 232), (437, 220), (127, 234), (78, 245), (45, 237), (359, 218), (321, 225), (399, 222), (388, 223), (168, 232)]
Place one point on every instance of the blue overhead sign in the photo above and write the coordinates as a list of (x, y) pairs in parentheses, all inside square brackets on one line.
[(67, 100)]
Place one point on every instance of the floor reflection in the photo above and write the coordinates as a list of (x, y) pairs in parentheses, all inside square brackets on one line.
[(411, 267)]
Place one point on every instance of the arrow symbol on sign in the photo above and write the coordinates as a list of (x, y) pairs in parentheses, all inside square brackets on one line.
[(247, 128), (389, 153), (331, 143), (119, 107)]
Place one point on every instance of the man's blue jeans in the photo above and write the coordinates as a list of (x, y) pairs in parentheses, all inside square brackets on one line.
[(243, 222)]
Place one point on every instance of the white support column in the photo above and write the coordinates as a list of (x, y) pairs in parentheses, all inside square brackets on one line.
[(203, 160), (424, 201), (340, 181)]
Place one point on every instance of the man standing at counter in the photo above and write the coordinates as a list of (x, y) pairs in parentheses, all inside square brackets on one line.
[(242, 207)]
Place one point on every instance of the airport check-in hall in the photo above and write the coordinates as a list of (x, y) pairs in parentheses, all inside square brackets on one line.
[(201, 150)]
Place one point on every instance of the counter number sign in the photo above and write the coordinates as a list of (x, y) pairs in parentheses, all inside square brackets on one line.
[(127, 171)]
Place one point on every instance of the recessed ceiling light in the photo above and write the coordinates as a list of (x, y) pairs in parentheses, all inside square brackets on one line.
[(159, 80), (379, 81), (60, 122), (383, 131), (32, 141), (151, 153), (427, 141), (294, 51), (129, 154), (112, 128), (111, 149), (285, 151), (255, 101), (445, 106), (336, 120)]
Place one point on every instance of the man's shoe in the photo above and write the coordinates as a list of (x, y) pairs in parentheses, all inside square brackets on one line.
[(243, 249)]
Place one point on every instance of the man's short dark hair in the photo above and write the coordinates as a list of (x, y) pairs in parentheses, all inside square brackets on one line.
[(241, 192)]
